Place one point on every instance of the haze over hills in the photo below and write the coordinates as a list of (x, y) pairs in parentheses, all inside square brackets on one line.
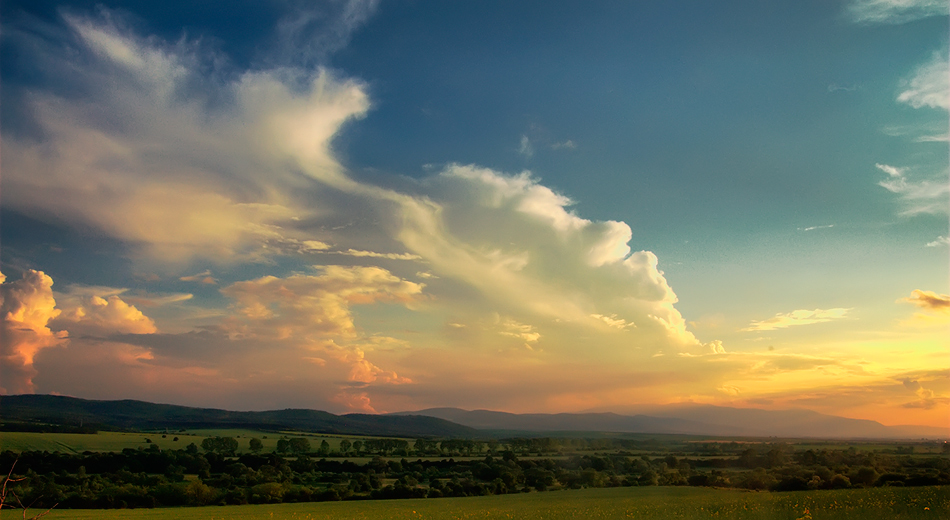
[(129, 414), (455, 422), (690, 419)]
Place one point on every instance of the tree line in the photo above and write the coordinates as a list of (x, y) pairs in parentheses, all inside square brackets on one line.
[(214, 474)]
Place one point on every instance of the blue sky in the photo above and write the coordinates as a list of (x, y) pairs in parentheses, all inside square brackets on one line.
[(734, 203)]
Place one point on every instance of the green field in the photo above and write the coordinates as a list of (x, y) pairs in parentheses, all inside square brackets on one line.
[(641, 503), (117, 441)]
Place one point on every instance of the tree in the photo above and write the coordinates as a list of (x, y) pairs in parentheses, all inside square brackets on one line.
[(345, 446), (324, 447), (283, 446), (220, 445), (255, 445), (358, 446), (300, 445), (4, 492)]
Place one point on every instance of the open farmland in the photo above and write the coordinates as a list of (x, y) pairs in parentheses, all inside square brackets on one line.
[(931, 502), (105, 441)]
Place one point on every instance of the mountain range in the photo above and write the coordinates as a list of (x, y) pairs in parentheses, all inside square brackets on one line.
[(691, 420), (688, 419)]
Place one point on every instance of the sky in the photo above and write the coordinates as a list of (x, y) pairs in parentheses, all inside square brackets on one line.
[(539, 206)]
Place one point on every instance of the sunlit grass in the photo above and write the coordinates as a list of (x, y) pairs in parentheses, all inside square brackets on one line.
[(640, 503)]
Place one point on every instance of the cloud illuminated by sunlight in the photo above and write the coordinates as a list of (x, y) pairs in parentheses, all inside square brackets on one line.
[(797, 317)]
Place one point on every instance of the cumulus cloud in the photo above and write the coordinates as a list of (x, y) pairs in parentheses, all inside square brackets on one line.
[(515, 240), (930, 85), (797, 317), (101, 316), (26, 308), (929, 300), (894, 11), (917, 196), (190, 169), (313, 306)]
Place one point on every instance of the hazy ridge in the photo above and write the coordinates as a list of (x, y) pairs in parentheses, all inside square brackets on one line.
[(455, 422)]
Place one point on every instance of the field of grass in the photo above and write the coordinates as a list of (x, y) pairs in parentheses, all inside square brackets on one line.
[(653, 503), (117, 441)]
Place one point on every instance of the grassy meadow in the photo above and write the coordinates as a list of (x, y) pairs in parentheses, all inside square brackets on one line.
[(104, 441), (891, 503)]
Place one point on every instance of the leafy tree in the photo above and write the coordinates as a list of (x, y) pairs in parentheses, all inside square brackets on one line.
[(220, 445), (283, 446), (345, 446), (324, 447), (358, 446), (300, 445), (256, 445)]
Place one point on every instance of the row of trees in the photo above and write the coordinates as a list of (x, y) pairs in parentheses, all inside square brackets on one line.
[(154, 477)]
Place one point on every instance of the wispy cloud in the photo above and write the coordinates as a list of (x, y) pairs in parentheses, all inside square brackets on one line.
[(526, 148), (567, 145), (940, 241), (315, 30), (894, 11), (798, 317), (202, 277), (930, 84), (834, 87), (374, 254), (929, 300), (812, 228), (922, 196)]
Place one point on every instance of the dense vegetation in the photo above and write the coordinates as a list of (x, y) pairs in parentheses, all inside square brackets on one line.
[(299, 472)]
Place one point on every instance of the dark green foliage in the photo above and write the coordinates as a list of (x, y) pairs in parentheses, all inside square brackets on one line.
[(191, 477)]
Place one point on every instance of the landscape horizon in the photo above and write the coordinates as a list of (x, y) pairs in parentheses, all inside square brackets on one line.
[(426, 220), (698, 420)]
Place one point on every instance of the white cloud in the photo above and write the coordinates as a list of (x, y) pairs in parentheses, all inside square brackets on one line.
[(812, 228), (894, 11), (940, 241), (314, 30), (797, 317), (373, 254), (516, 242), (613, 321), (177, 171), (513, 329), (930, 86), (526, 149), (567, 145), (920, 196)]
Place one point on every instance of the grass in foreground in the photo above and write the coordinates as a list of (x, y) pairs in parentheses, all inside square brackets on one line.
[(652, 503)]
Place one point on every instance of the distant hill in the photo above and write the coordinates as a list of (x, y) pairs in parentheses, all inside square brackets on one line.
[(692, 420), (128, 414)]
